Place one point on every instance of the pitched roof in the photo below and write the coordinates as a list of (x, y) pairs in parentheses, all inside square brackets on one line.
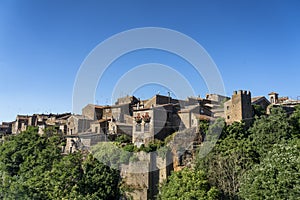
[(259, 98)]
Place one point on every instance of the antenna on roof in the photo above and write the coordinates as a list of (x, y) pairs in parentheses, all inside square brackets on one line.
[(169, 94)]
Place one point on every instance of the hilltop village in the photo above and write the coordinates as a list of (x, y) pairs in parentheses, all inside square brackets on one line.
[(145, 121)]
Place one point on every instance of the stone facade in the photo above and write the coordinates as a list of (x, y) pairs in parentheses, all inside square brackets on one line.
[(5, 128), (42, 121), (78, 124), (82, 141), (142, 177), (239, 107)]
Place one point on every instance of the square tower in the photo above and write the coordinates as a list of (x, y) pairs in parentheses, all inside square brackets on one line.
[(239, 107)]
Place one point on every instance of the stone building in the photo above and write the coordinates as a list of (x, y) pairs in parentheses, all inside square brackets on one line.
[(261, 101), (5, 128), (42, 121), (239, 107), (96, 112), (161, 116), (217, 97), (78, 124), (285, 102), (190, 116), (20, 124), (273, 96), (155, 122)]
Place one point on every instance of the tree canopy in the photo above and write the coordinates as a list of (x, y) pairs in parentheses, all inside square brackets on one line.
[(32, 167)]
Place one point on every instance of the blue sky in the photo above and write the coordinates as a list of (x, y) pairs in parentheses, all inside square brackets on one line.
[(255, 45)]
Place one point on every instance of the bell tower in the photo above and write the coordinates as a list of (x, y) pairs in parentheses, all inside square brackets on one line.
[(273, 97)]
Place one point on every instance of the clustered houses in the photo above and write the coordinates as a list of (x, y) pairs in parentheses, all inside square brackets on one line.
[(43, 121), (143, 120), (146, 120)]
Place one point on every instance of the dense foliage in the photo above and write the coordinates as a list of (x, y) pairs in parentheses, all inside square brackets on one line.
[(188, 184), (32, 167), (260, 161), (277, 176)]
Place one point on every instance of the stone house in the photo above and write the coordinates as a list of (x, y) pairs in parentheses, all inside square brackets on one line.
[(20, 124), (191, 115), (42, 121), (78, 124), (155, 122), (262, 101), (285, 102), (82, 141), (5, 128)]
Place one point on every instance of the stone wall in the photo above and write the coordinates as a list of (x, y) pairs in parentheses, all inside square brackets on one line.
[(239, 108), (142, 178)]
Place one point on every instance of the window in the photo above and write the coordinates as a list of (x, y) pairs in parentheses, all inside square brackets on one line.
[(228, 117), (96, 129), (146, 127), (227, 107), (138, 127)]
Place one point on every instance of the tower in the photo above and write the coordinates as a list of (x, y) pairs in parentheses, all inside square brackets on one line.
[(239, 108), (273, 96)]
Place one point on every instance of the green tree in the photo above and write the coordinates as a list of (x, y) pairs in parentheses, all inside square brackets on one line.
[(295, 122), (32, 167), (232, 156), (99, 181), (277, 176), (258, 110), (269, 130), (188, 184)]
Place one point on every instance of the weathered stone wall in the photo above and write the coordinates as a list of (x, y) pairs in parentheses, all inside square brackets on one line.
[(239, 107), (185, 119), (142, 178), (89, 111)]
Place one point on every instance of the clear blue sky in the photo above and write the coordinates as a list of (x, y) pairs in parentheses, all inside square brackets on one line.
[(255, 44)]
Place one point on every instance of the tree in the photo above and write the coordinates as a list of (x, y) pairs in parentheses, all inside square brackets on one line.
[(258, 110), (269, 130), (232, 156), (295, 122), (99, 181), (32, 167), (277, 176), (188, 184)]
